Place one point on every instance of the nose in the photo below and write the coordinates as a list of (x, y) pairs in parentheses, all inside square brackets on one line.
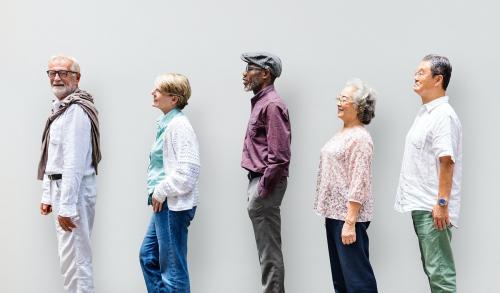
[(244, 73), (57, 77)]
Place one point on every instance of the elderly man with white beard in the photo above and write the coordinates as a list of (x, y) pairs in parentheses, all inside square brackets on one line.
[(68, 168), (266, 156)]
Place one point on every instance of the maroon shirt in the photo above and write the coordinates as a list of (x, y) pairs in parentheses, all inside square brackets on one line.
[(266, 149)]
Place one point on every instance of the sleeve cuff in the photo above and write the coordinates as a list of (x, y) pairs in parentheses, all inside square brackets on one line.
[(67, 210), (46, 201), (447, 154), (356, 200), (157, 196)]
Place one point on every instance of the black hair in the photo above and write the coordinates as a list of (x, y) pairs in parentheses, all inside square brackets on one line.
[(440, 65)]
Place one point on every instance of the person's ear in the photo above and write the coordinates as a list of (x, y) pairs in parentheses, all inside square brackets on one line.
[(267, 74), (78, 75), (438, 80), (175, 100)]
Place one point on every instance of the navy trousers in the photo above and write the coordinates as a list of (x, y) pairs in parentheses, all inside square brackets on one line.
[(350, 264)]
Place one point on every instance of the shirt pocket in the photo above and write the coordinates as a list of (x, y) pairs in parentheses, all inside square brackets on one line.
[(418, 139), (256, 128), (422, 156)]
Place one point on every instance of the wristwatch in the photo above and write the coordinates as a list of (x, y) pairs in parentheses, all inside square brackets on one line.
[(442, 202)]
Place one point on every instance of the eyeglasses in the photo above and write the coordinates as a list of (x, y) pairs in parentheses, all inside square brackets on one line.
[(61, 73), (418, 73), (343, 99), (251, 67)]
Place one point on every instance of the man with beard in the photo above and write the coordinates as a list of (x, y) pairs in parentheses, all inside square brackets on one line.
[(266, 157), (68, 168)]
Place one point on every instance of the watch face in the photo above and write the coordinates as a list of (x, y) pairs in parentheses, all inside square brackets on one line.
[(442, 202)]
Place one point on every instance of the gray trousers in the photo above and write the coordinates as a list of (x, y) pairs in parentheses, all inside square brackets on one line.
[(266, 221)]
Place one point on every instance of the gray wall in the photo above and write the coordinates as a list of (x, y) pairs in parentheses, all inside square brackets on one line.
[(123, 46)]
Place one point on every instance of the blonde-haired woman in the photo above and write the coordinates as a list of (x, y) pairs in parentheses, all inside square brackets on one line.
[(344, 195), (174, 167)]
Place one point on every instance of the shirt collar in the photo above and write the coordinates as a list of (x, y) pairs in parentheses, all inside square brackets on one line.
[(435, 103), (163, 120), (262, 93), (56, 103)]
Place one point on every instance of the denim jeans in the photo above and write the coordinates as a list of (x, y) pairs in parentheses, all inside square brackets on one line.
[(163, 254)]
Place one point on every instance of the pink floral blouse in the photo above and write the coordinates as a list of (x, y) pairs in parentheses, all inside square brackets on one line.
[(345, 175)]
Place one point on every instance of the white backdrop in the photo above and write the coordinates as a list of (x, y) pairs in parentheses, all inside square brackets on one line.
[(122, 46)]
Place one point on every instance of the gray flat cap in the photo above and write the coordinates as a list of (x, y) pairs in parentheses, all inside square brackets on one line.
[(264, 60)]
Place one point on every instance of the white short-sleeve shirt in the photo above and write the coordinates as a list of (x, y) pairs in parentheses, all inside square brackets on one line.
[(436, 132)]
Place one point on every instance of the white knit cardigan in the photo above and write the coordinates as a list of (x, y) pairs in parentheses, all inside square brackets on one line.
[(181, 161)]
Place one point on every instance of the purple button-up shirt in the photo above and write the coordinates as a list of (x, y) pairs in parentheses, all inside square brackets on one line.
[(266, 149)]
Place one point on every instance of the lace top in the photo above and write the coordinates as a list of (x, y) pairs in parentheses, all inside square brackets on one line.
[(345, 175)]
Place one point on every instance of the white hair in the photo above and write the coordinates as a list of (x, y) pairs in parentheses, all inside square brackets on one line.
[(365, 98), (75, 66)]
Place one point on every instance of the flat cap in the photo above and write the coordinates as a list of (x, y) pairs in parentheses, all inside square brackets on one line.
[(264, 60)]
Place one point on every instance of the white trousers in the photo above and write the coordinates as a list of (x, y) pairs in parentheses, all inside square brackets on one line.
[(75, 253)]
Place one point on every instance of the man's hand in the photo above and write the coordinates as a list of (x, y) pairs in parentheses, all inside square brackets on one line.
[(66, 223), (441, 217), (156, 205), (45, 209), (348, 233)]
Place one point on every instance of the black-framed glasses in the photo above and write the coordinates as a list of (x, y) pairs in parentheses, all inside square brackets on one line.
[(61, 73)]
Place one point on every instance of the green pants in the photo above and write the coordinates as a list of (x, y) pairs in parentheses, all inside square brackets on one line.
[(435, 250)]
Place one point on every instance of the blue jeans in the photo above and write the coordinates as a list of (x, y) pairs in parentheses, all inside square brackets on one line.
[(163, 254)]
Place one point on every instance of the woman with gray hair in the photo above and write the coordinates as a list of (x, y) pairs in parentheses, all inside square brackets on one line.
[(174, 167), (343, 192)]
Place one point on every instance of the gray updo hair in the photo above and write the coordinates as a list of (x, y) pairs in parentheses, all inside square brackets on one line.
[(365, 98)]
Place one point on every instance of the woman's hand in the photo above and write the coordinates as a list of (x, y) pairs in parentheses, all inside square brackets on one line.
[(349, 229), (348, 233), (156, 205)]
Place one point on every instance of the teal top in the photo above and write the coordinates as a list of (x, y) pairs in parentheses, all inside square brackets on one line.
[(156, 171)]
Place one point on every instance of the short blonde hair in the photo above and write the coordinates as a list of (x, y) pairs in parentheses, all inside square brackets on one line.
[(75, 66), (175, 84)]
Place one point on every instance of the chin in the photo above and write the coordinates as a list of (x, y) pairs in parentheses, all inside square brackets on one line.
[(60, 92)]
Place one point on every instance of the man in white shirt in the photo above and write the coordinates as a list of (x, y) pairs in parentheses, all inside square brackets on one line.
[(430, 179), (68, 165)]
